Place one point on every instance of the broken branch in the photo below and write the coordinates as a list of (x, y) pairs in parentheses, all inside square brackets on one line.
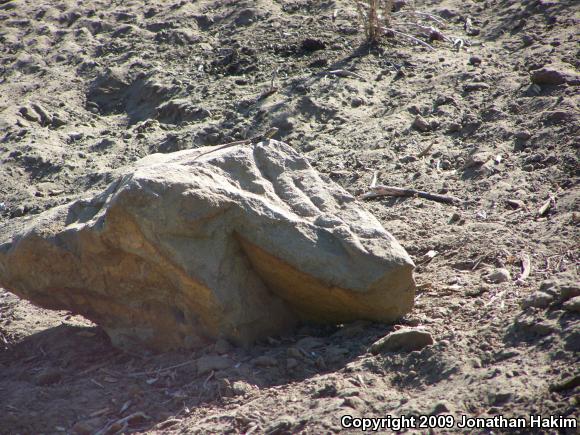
[(380, 190)]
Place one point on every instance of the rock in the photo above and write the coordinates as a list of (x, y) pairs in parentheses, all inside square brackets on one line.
[(354, 402), (441, 407), (475, 60), (477, 159), (408, 159), (313, 44), (405, 339), (567, 383), (538, 299), (555, 74), (48, 377), (309, 343), (453, 127), (562, 289), (523, 135), (291, 363), (241, 388), (477, 86), (222, 346), (208, 363), (265, 361), (87, 427), (183, 248), (573, 304), (28, 114), (498, 276), (421, 124)]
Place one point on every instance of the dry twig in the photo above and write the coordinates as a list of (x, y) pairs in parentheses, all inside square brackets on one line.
[(546, 206), (526, 268), (380, 190)]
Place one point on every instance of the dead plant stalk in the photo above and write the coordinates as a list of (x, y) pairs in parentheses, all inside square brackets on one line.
[(375, 15)]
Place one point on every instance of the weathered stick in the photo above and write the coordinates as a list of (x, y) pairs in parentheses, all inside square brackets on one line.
[(380, 190), (546, 206), (526, 268)]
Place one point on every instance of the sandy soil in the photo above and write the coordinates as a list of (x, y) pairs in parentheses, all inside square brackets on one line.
[(88, 87)]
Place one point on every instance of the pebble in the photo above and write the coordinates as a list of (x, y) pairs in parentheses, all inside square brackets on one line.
[(87, 427), (441, 407), (475, 60), (523, 135), (354, 402), (19, 211), (265, 361), (291, 363), (573, 305), (313, 44), (222, 346), (241, 388), (48, 377), (471, 87), (208, 363), (309, 343), (498, 276), (421, 124), (553, 75), (567, 383), (405, 339), (538, 299)]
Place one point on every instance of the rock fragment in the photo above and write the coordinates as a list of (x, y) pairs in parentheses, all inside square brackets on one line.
[(405, 339), (573, 304), (555, 74), (499, 275)]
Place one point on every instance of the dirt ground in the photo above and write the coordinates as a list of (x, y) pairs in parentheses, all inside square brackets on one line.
[(87, 87)]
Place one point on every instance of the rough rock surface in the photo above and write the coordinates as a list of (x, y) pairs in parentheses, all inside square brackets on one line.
[(238, 243)]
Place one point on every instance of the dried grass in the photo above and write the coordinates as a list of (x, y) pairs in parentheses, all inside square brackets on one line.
[(375, 15)]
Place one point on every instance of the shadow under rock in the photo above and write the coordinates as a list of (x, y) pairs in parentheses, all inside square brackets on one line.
[(71, 378)]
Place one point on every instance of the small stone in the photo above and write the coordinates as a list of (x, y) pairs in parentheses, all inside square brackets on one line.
[(523, 135), (354, 402), (357, 102), (573, 305), (291, 363), (453, 127), (87, 427), (498, 276), (477, 159), (313, 44), (408, 159), (405, 339), (567, 383), (209, 363), (294, 352), (441, 407), (19, 211), (475, 60), (29, 114), (309, 343), (472, 87), (75, 135), (48, 377), (421, 124), (554, 74), (222, 346), (265, 361), (241, 388), (527, 40), (538, 299)]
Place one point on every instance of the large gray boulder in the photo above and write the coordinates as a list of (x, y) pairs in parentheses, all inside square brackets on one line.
[(183, 248)]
